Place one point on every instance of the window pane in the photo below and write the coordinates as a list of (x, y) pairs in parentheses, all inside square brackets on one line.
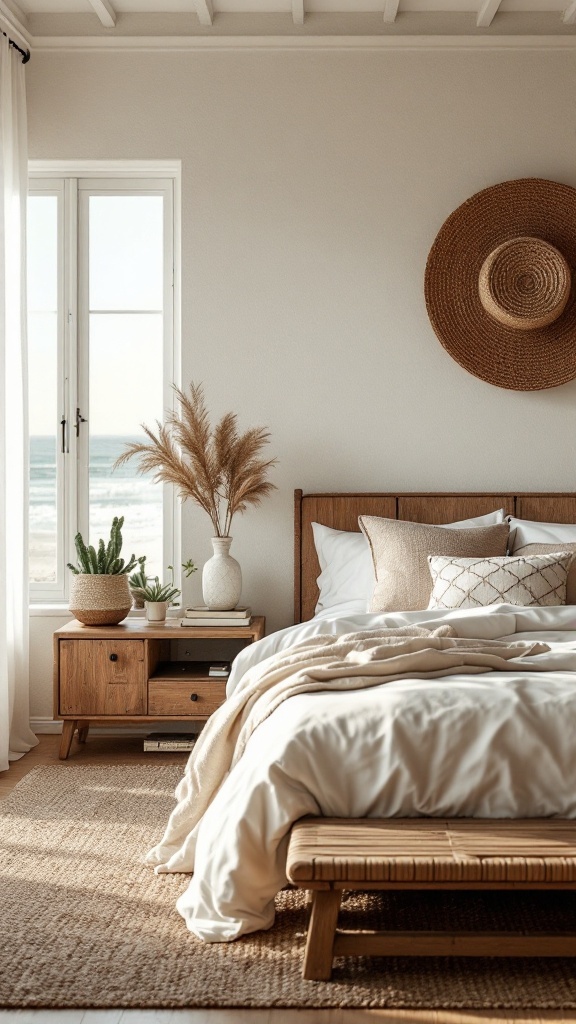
[(42, 259), (43, 412), (42, 254), (125, 374), (126, 252), (43, 509)]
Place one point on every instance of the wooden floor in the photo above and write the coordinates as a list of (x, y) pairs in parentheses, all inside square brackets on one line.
[(128, 750)]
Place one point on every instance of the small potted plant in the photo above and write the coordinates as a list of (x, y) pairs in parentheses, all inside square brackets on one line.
[(139, 580), (156, 597), (100, 594), (136, 580)]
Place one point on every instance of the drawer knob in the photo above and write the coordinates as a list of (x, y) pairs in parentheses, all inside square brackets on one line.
[(193, 696), (113, 657)]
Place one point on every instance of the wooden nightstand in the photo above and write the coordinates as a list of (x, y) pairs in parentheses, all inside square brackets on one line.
[(140, 672)]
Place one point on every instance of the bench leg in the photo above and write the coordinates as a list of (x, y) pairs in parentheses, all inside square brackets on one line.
[(321, 931)]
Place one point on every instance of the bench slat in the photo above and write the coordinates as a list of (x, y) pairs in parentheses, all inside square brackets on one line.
[(420, 850)]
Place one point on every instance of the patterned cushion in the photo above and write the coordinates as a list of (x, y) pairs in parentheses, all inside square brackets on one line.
[(518, 580), (545, 549)]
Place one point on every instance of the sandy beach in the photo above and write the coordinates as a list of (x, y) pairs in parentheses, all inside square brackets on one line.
[(42, 557)]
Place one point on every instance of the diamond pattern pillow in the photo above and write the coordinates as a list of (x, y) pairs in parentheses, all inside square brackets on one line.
[(545, 549), (519, 580)]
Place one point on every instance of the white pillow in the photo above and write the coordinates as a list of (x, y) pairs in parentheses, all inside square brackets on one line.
[(346, 579), (347, 574), (479, 582), (524, 531)]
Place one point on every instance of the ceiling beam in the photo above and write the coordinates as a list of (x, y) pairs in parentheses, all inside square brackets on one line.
[(486, 13), (205, 11), (298, 12), (569, 17), (105, 11), (391, 10)]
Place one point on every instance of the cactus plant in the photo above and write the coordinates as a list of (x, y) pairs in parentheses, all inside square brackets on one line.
[(139, 578), (104, 561)]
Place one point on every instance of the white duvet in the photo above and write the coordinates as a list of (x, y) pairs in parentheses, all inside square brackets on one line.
[(499, 744)]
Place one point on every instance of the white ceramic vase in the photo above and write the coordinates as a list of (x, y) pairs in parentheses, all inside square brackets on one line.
[(221, 577), (156, 610)]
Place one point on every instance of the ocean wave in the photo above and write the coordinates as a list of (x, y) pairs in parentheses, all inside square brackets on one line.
[(122, 492), (43, 518)]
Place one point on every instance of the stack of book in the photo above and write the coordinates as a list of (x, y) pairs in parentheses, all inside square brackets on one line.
[(219, 670), (199, 615), (169, 741)]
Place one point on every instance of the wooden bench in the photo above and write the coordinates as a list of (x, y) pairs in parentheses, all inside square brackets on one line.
[(329, 855)]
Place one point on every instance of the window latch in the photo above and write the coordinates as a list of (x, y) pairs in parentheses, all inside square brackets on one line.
[(63, 445), (79, 419)]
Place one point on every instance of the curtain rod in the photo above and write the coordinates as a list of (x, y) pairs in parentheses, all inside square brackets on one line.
[(25, 53)]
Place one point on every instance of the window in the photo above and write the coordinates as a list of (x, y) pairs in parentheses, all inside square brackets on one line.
[(101, 259)]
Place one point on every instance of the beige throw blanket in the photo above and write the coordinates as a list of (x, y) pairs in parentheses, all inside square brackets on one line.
[(350, 662)]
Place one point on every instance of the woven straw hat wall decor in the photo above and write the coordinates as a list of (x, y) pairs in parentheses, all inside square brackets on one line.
[(499, 284)]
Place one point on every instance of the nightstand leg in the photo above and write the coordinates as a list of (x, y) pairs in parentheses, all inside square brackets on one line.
[(83, 732), (68, 728)]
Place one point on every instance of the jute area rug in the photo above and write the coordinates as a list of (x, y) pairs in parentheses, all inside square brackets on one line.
[(85, 924)]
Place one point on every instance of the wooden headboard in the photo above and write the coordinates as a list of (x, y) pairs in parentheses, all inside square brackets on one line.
[(341, 511)]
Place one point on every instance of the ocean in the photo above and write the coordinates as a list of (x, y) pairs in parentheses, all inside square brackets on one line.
[(122, 492)]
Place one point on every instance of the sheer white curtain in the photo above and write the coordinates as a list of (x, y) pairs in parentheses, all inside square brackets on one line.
[(15, 734)]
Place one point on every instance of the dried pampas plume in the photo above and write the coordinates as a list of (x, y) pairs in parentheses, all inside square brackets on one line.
[(218, 468)]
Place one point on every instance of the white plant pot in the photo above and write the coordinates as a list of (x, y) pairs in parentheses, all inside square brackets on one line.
[(221, 577), (156, 610), (100, 600)]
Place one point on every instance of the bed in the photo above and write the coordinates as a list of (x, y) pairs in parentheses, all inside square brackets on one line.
[(482, 738)]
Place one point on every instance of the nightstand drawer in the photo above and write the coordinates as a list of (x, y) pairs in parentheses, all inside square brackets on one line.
[(184, 697), (102, 677)]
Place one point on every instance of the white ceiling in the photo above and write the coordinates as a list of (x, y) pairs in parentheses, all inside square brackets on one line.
[(58, 24), (283, 6)]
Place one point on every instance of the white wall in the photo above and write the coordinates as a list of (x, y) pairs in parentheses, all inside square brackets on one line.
[(313, 187)]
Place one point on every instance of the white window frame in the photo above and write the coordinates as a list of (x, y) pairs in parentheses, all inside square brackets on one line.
[(72, 181)]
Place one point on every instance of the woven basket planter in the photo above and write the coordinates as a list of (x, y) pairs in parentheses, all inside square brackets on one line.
[(100, 600)]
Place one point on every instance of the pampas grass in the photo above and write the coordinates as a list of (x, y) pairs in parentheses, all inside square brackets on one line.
[(216, 467)]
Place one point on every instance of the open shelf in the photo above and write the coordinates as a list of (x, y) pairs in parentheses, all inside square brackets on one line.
[(191, 671)]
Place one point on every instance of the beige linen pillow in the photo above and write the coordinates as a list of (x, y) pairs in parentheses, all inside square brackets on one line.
[(544, 549), (400, 552), (478, 582)]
